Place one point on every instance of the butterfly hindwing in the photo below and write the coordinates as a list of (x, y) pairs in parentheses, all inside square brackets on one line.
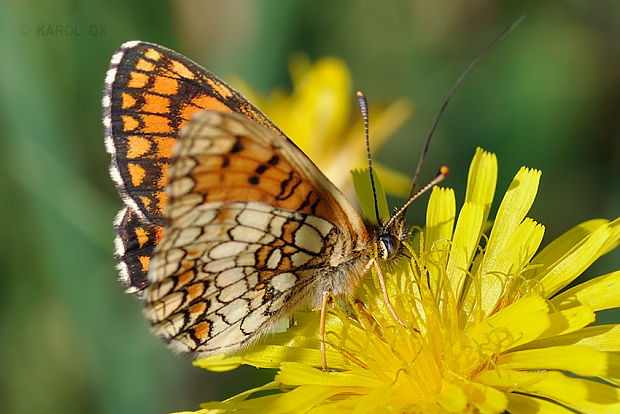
[(225, 157), (229, 271), (255, 229)]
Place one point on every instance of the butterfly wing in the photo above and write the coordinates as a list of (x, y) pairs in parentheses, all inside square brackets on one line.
[(255, 229), (133, 248), (150, 94)]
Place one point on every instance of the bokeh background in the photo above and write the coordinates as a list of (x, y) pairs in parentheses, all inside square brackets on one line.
[(71, 341)]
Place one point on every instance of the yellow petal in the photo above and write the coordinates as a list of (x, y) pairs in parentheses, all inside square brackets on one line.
[(487, 399), (452, 397), (555, 250), (512, 210), (580, 360), (374, 402), (512, 326), (439, 224), (464, 243), (574, 262), (210, 408), (219, 363), (517, 252), (321, 105), (245, 394), (521, 246), (270, 356), (439, 217), (600, 337), (525, 404), (482, 180), (300, 399), (569, 320), (614, 239), (599, 293), (294, 373), (579, 394)]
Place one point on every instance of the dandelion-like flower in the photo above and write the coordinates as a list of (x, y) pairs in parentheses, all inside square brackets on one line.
[(487, 330)]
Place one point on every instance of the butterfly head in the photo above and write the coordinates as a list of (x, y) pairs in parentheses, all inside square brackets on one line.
[(388, 245), (389, 238)]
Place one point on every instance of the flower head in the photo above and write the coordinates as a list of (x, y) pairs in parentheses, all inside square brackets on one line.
[(486, 330)]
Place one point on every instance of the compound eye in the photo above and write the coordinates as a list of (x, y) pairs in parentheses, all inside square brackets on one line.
[(388, 245)]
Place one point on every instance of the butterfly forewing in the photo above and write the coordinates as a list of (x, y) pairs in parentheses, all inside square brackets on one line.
[(133, 247), (255, 230), (150, 93)]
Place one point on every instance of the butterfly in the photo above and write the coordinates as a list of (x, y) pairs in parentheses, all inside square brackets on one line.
[(227, 226)]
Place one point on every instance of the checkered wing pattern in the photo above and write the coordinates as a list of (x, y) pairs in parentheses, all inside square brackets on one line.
[(133, 249), (150, 93), (254, 231)]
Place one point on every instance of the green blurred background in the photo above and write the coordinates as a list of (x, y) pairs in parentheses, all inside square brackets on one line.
[(72, 342)]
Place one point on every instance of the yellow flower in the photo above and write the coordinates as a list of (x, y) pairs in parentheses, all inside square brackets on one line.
[(317, 116), (487, 330)]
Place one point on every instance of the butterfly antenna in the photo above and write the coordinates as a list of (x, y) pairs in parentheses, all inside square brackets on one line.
[(443, 172), (363, 103), (447, 100)]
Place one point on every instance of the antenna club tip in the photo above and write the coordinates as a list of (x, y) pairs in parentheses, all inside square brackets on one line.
[(444, 170), (360, 94)]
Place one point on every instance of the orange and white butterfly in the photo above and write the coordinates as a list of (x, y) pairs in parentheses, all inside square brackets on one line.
[(228, 227)]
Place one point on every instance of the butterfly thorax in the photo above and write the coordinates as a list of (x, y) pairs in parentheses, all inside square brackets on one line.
[(350, 263)]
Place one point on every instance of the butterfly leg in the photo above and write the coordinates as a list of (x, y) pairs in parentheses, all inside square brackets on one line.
[(291, 321), (386, 298), (324, 303)]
